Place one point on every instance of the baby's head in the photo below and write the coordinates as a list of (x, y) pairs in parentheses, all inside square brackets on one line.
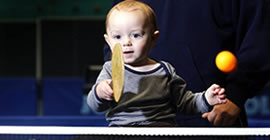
[(133, 5), (132, 24)]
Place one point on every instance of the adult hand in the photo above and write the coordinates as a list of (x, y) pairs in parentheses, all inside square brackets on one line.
[(223, 114)]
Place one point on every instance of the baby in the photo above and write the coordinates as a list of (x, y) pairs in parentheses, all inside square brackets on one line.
[(153, 93)]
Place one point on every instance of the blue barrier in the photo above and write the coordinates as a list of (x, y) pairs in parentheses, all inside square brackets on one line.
[(258, 108), (18, 96), (65, 104), (64, 96), (53, 121)]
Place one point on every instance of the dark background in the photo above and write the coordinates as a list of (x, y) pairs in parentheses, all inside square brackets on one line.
[(71, 36), (52, 90), (46, 48)]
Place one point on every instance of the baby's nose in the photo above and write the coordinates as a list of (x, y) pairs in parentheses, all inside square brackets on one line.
[(127, 42)]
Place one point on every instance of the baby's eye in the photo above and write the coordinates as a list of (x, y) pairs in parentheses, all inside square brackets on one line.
[(136, 35), (117, 37)]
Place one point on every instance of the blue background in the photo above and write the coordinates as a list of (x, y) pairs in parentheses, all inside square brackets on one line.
[(64, 104)]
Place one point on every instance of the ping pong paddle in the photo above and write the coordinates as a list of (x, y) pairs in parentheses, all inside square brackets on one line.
[(117, 71)]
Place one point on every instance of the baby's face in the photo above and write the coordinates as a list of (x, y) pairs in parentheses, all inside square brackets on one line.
[(132, 31)]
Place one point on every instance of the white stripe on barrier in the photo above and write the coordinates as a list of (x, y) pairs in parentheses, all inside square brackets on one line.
[(59, 130)]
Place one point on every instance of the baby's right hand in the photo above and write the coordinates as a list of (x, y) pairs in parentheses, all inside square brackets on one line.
[(104, 90)]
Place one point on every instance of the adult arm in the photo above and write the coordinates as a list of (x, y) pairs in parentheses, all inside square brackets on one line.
[(252, 27)]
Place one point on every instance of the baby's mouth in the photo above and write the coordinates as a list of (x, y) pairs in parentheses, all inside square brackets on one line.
[(127, 52)]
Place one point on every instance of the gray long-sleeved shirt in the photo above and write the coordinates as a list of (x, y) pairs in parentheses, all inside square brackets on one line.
[(148, 97)]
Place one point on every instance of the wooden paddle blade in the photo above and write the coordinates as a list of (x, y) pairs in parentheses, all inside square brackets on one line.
[(117, 71)]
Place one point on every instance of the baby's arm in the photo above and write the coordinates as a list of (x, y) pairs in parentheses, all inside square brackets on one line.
[(215, 95), (104, 90)]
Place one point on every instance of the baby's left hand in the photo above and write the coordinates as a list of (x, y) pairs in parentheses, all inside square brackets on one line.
[(215, 95)]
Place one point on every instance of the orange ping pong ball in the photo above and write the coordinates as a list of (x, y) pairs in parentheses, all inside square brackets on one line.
[(226, 61)]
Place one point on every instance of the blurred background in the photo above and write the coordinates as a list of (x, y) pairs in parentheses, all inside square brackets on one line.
[(50, 53)]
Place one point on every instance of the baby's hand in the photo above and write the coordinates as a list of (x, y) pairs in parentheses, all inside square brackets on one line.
[(215, 95), (104, 90)]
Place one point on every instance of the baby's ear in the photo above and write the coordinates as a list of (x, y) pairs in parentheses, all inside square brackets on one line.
[(155, 36), (106, 38)]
